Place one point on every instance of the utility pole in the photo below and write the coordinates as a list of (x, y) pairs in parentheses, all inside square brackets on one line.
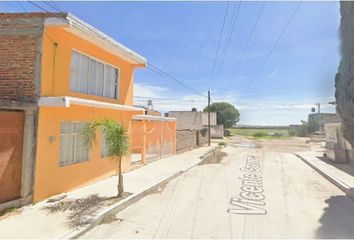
[(319, 117), (208, 117)]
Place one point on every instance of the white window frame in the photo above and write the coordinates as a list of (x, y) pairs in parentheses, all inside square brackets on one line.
[(74, 134), (103, 147), (105, 64)]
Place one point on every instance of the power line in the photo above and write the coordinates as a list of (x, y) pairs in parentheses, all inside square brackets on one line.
[(150, 65), (38, 6), (274, 45), (275, 90), (231, 31), (21, 6), (156, 69), (169, 99), (219, 43), (52, 6), (247, 43)]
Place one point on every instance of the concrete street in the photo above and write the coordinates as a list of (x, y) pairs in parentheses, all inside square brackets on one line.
[(253, 189)]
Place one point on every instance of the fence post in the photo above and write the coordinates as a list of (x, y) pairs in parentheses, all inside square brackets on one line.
[(161, 137), (143, 150)]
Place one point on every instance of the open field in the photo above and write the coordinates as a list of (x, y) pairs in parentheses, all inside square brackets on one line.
[(260, 133)]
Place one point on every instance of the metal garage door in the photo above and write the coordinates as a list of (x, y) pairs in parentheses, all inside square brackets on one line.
[(11, 138)]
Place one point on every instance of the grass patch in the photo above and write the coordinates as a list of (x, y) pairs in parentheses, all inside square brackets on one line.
[(8, 210), (261, 133)]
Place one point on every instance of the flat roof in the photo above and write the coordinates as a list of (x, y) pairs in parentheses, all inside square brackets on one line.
[(81, 28)]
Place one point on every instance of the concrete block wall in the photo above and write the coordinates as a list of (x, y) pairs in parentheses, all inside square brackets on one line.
[(217, 131), (192, 120), (202, 137), (205, 118), (337, 148), (189, 139), (185, 139)]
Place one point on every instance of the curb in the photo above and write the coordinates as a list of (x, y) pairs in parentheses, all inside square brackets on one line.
[(119, 206), (334, 180)]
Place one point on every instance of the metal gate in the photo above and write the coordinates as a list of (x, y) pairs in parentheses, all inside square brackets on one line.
[(11, 138)]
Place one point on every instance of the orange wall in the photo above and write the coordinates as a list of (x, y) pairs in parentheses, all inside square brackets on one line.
[(56, 61), (153, 132), (52, 179)]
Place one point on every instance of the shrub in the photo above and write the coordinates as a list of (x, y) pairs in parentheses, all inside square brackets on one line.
[(222, 144), (227, 133), (259, 134), (292, 133), (277, 134)]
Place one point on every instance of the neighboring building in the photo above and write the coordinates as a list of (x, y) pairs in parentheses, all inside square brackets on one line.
[(192, 128), (56, 73), (149, 110), (192, 119), (314, 120), (338, 149)]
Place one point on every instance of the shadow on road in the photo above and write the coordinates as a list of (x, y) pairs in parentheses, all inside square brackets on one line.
[(337, 220)]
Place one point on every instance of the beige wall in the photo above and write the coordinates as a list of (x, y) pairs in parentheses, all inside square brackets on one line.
[(192, 120)]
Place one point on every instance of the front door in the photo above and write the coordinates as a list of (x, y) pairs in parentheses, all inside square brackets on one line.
[(11, 138)]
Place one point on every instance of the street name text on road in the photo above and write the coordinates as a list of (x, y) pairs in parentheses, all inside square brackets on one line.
[(251, 197)]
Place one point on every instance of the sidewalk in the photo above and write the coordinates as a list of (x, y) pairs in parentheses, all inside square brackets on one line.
[(340, 174), (35, 222)]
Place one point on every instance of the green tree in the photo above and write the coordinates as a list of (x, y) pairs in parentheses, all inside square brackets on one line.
[(226, 113), (117, 140)]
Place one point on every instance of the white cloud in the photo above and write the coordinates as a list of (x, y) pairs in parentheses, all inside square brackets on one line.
[(146, 90), (255, 112)]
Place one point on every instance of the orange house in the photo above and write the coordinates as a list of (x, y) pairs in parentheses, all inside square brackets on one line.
[(78, 74)]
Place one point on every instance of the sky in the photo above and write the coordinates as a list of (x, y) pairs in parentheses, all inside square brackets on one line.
[(273, 70)]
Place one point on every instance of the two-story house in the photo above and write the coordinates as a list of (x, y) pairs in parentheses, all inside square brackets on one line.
[(56, 73)]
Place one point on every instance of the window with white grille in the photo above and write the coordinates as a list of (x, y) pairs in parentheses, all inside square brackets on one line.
[(72, 147), (93, 77), (104, 147)]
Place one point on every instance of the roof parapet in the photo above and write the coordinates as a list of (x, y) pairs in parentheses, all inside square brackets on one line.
[(82, 28)]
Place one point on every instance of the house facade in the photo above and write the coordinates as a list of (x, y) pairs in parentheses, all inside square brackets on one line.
[(56, 73)]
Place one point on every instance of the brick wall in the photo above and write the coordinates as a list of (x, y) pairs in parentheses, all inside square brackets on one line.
[(20, 43)]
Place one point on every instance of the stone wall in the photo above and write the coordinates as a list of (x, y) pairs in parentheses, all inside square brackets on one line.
[(345, 76)]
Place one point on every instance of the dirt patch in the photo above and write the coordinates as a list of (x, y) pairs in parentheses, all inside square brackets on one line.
[(290, 145), (246, 145), (82, 210), (111, 218), (285, 145), (214, 158)]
